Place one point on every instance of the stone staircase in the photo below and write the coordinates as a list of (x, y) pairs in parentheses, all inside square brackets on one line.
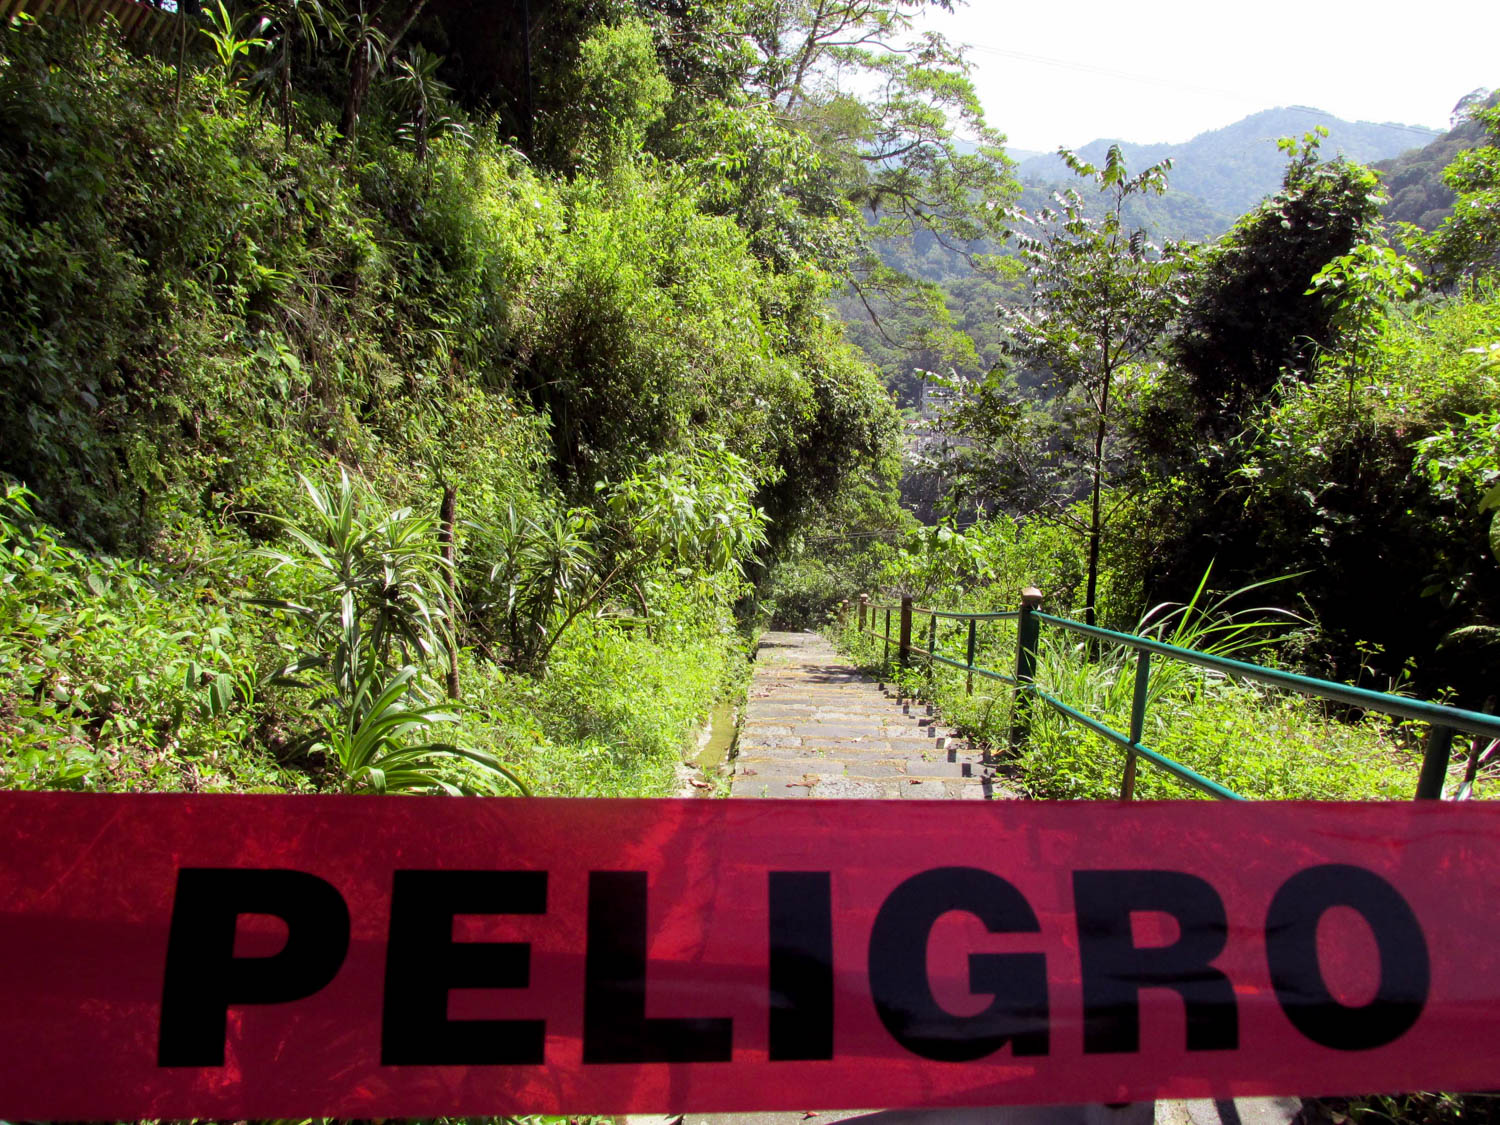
[(816, 727)]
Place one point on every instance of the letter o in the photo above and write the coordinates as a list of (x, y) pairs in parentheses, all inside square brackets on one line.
[(1292, 953)]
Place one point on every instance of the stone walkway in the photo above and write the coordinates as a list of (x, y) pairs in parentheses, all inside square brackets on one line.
[(815, 727)]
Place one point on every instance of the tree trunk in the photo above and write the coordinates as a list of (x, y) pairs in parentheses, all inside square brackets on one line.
[(365, 67), (359, 89), (1096, 528), (447, 517)]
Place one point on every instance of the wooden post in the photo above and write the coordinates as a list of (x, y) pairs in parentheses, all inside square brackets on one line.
[(447, 520), (973, 636), (1028, 629), (864, 604), (903, 646)]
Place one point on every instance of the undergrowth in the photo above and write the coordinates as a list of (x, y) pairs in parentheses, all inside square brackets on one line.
[(1259, 742)]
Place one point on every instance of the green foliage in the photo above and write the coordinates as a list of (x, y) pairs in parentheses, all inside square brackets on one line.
[(230, 40), (1468, 242), (120, 674), (213, 305), (1361, 289), (619, 90), (985, 567), (1378, 505), (684, 524), (375, 624), (1100, 297), (1414, 180), (1249, 317), (841, 554), (1258, 742), (421, 95)]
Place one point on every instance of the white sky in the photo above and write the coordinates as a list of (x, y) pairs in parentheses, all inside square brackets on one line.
[(1164, 70)]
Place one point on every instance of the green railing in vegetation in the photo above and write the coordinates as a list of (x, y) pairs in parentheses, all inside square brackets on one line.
[(1444, 721)]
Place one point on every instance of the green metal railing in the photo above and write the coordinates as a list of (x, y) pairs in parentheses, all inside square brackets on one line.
[(1444, 721)]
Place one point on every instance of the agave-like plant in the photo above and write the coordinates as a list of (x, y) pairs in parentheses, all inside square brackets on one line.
[(370, 741), (232, 37), (422, 95), (291, 28), (375, 621)]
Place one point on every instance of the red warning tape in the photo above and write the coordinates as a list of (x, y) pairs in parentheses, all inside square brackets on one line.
[(272, 957)]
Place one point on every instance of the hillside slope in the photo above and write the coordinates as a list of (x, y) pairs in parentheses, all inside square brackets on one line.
[(1231, 169)]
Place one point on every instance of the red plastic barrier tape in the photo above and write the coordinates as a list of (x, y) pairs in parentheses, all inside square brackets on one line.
[(258, 957)]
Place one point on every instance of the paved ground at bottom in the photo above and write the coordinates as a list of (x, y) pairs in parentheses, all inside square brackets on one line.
[(1241, 1111)]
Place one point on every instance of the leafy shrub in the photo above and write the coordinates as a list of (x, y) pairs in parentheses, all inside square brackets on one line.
[(118, 674)]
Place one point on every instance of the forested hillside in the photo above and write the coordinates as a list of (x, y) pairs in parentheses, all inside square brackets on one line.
[(436, 395), (1414, 179), (386, 408), (1232, 169), (1216, 176), (1295, 402)]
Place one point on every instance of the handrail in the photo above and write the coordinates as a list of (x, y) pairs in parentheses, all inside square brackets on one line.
[(1474, 722), (1444, 720)]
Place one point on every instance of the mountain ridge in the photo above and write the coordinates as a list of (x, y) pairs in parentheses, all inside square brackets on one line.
[(1230, 169)]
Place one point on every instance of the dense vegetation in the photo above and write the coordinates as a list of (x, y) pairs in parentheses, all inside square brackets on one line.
[(389, 407), (1296, 411), (363, 434), (1414, 179)]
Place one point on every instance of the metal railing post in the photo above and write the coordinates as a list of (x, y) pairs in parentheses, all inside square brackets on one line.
[(1435, 763), (932, 637), (1028, 630), (1137, 721), (864, 604), (969, 683), (903, 648)]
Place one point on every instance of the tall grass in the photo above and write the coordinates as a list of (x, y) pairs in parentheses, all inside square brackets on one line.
[(1260, 742)]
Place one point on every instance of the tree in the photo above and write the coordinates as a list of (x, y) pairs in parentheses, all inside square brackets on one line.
[(1249, 316), (1468, 242), (1101, 297), (893, 153), (374, 30)]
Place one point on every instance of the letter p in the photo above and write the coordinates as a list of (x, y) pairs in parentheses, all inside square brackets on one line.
[(203, 976)]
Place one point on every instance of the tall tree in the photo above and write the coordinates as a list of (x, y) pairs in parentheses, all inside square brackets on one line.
[(887, 109), (1101, 297)]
